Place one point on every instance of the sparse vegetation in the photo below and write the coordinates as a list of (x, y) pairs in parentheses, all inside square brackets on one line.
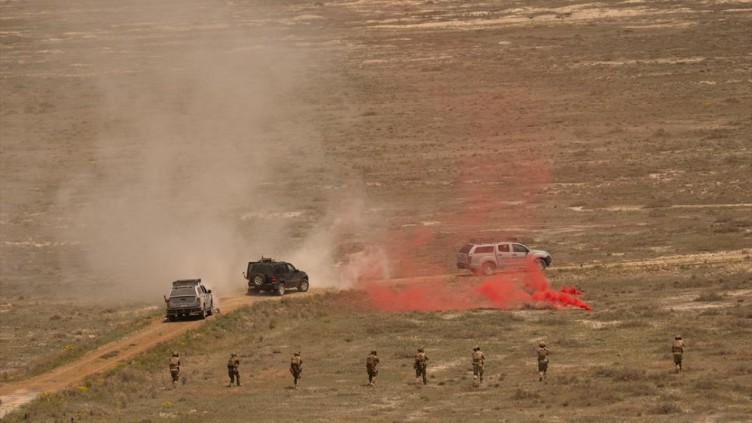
[(611, 139), (591, 370), (66, 337)]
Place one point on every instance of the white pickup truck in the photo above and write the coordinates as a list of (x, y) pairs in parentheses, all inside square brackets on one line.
[(486, 257)]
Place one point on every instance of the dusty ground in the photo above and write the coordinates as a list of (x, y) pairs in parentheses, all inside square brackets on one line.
[(106, 357), (612, 361), (146, 142)]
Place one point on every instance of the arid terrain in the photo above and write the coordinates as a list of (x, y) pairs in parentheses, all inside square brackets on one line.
[(143, 142)]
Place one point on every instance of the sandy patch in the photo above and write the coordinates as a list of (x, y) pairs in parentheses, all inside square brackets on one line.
[(643, 207), (277, 215), (444, 366), (14, 400), (599, 325), (535, 16)]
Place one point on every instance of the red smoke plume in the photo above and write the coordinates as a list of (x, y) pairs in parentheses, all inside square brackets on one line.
[(505, 290), (571, 290), (483, 186)]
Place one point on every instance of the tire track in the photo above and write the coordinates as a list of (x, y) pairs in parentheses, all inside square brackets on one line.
[(110, 355), (159, 330)]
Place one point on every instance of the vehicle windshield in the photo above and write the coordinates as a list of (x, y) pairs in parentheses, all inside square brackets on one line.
[(466, 249), (183, 292)]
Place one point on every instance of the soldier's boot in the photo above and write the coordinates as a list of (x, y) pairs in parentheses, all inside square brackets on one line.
[(475, 380), (373, 381), (540, 377)]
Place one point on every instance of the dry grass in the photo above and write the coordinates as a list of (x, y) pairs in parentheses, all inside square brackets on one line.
[(622, 368), (633, 161), (39, 336)]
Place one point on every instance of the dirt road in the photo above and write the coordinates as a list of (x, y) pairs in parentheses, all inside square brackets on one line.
[(735, 256), (108, 356)]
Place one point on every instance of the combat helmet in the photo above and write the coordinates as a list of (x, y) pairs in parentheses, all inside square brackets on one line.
[(542, 344), (476, 348), (420, 349), (373, 352), (175, 354), (678, 337)]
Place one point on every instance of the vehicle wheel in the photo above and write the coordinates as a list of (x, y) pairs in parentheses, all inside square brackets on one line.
[(281, 289), (488, 269), (211, 309), (541, 264), (203, 314), (171, 318), (258, 280), (303, 287)]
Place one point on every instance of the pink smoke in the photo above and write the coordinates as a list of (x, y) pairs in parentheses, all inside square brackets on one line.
[(484, 187), (505, 290), (423, 296)]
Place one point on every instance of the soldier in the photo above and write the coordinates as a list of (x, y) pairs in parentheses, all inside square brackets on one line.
[(371, 362), (678, 350), (232, 369), (175, 368), (296, 368), (420, 366), (542, 360), (478, 361)]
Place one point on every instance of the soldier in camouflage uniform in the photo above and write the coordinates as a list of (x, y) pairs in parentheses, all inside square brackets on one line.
[(232, 369), (677, 349), (296, 368), (175, 368), (420, 366), (371, 362), (478, 362), (542, 360)]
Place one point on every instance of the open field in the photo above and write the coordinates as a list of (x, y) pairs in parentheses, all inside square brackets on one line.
[(612, 361), (142, 142)]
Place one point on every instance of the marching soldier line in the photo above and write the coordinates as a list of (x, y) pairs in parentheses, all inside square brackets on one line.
[(420, 365)]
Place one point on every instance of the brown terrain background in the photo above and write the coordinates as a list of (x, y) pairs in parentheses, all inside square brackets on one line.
[(143, 142)]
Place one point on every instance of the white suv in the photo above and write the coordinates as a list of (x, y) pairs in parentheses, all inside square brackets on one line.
[(486, 257)]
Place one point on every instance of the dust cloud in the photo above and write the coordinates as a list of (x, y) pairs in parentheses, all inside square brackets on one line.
[(206, 157), (200, 164)]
